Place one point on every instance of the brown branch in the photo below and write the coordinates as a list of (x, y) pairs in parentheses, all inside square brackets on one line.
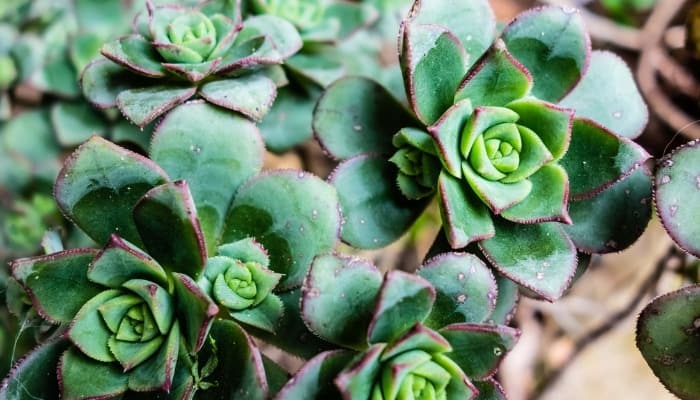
[(648, 286)]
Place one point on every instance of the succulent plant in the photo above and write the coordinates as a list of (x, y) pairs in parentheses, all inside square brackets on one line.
[(177, 52), (419, 336), (501, 133), (669, 327), (135, 317)]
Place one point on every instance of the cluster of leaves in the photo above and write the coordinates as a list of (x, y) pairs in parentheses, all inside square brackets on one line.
[(524, 141)]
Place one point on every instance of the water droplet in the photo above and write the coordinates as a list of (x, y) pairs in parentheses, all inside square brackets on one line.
[(122, 158), (314, 214), (617, 114), (490, 322), (460, 276), (673, 210), (545, 264), (468, 38), (627, 191), (665, 179), (570, 10), (667, 163), (539, 275), (697, 181), (357, 128), (301, 174), (461, 298), (541, 33), (362, 221), (301, 229), (375, 240), (643, 200), (497, 351)]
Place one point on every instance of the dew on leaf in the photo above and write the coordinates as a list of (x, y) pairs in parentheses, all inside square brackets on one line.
[(460, 276), (539, 275), (665, 179), (461, 298)]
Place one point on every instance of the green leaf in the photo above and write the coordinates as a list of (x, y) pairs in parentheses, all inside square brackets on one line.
[(551, 123), (239, 372), (465, 289), (608, 95), (104, 17), (496, 80), (667, 336), (265, 316), (591, 172), (357, 379), (102, 81), (57, 283), (56, 76), (418, 338), (293, 231), (214, 161), (447, 132), (135, 53), (465, 218), (472, 22), (251, 95), (30, 135), (507, 301), (498, 196), (157, 373), (677, 196), (32, 377), (338, 299), (433, 63), (193, 72), (490, 389), (552, 43), (539, 257), (478, 349), (83, 378), (248, 53), (246, 250), (357, 115), (100, 184), (404, 300), (351, 16), (143, 105), (375, 212), (284, 36), (315, 379), (83, 48), (121, 261), (288, 123), (614, 219), (166, 219), (158, 300), (89, 333), (321, 69), (74, 123), (547, 201), (195, 311)]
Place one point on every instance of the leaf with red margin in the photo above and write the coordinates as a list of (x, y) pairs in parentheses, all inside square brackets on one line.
[(548, 200), (81, 377), (135, 53), (447, 132), (315, 379), (251, 95), (120, 261), (32, 376), (490, 389), (465, 218), (354, 382), (99, 185), (479, 349), (540, 257), (195, 311), (166, 219), (143, 105)]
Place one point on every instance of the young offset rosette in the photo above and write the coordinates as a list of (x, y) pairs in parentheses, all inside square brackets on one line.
[(240, 282), (422, 336), (521, 140), (137, 318), (177, 52)]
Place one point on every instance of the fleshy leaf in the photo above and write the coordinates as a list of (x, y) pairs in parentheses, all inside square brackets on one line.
[(294, 231), (288, 123), (100, 184), (667, 336), (157, 372), (283, 34), (315, 379), (265, 316), (239, 372), (375, 212), (472, 22), (614, 219), (465, 289), (363, 369), (32, 376), (214, 161), (143, 105), (447, 132), (547, 200), (57, 283), (251, 95), (121, 261), (490, 389), (352, 16), (196, 311), (433, 63), (465, 218), (497, 195), (320, 68), (552, 43), (496, 80), (83, 378), (193, 72), (135, 53), (166, 219), (338, 299), (89, 332), (506, 302), (404, 300), (357, 115), (608, 95), (539, 257), (76, 122), (591, 172), (678, 195), (478, 349), (418, 338), (551, 123)]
